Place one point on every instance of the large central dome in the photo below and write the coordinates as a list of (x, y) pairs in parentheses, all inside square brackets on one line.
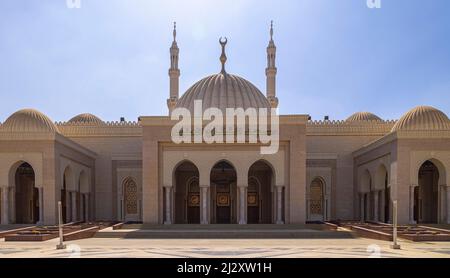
[(224, 90)]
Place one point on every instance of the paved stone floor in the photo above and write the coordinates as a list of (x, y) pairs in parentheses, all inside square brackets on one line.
[(239, 248)]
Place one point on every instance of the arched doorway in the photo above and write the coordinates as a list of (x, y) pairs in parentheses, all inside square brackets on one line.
[(317, 200), (426, 195), (65, 195), (365, 187), (26, 195), (130, 200), (223, 193), (259, 194), (187, 194), (83, 196)]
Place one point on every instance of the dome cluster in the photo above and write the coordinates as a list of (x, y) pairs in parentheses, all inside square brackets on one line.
[(34, 121), (421, 118)]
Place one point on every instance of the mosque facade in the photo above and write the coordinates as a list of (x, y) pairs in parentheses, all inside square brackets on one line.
[(352, 169)]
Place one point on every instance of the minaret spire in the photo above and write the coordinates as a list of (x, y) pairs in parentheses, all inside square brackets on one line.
[(223, 56), (174, 71), (271, 71)]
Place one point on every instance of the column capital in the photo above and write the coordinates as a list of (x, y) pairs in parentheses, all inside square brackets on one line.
[(414, 185), (167, 186), (445, 185), (204, 186), (279, 185)]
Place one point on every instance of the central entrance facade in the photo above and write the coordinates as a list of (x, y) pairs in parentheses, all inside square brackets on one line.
[(223, 194)]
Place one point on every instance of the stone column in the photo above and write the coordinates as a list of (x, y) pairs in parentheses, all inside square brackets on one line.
[(68, 207), (375, 205), (242, 204), (361, 207), (204, 204), (411, 204), (368, 205), (12, 205), (382, 205), (41, 205), (168, 217), (86, 208), (74, 206), (5, 205), (279, 204), (448, 203)]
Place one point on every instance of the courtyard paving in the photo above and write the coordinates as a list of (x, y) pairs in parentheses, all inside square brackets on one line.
[(223, 248)]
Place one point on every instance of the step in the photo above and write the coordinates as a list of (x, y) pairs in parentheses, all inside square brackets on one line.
[(221, 233)]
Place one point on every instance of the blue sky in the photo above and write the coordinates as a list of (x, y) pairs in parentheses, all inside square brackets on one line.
[(334, 57)]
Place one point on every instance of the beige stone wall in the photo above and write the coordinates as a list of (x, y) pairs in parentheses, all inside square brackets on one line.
[(339, 148), (110, 150)]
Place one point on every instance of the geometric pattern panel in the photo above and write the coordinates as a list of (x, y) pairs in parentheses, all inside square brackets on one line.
[(131, 206)]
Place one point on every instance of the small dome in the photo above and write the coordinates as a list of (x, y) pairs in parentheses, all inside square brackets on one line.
[(86, 118), (29, 120), (423, 118), (363, 116), (224, 90)]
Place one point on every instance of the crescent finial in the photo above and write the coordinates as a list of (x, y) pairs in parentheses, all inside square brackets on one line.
[(223, 57)]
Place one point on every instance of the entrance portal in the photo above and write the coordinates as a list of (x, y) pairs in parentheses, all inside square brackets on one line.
[(260, 194), (26, 196), (187, 194), (223, 193), (426, 201)]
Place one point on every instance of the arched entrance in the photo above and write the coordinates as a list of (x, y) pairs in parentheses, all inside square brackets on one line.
[(317, 200), (426, 195), (365, 187), (26, 195), (83, 196), (259, 194), (187, 194), (223, 193), (65, 195), (130, 200)]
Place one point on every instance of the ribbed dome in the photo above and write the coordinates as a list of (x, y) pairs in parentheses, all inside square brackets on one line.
[(423, 118), (223, 91), (29, 120), (363, 116), (86, 118)]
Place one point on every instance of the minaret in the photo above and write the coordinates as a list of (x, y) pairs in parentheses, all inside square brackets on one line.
[(271, 71), (174, 72)]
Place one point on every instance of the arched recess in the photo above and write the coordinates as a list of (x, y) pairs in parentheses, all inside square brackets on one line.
[(26, 195), (384, 194), (187, 193), (428, 205), (316, 203), (443, 173), (82, 196), (223, 179), (365, 187), (260, 193), (66, 202), (130, 199)]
